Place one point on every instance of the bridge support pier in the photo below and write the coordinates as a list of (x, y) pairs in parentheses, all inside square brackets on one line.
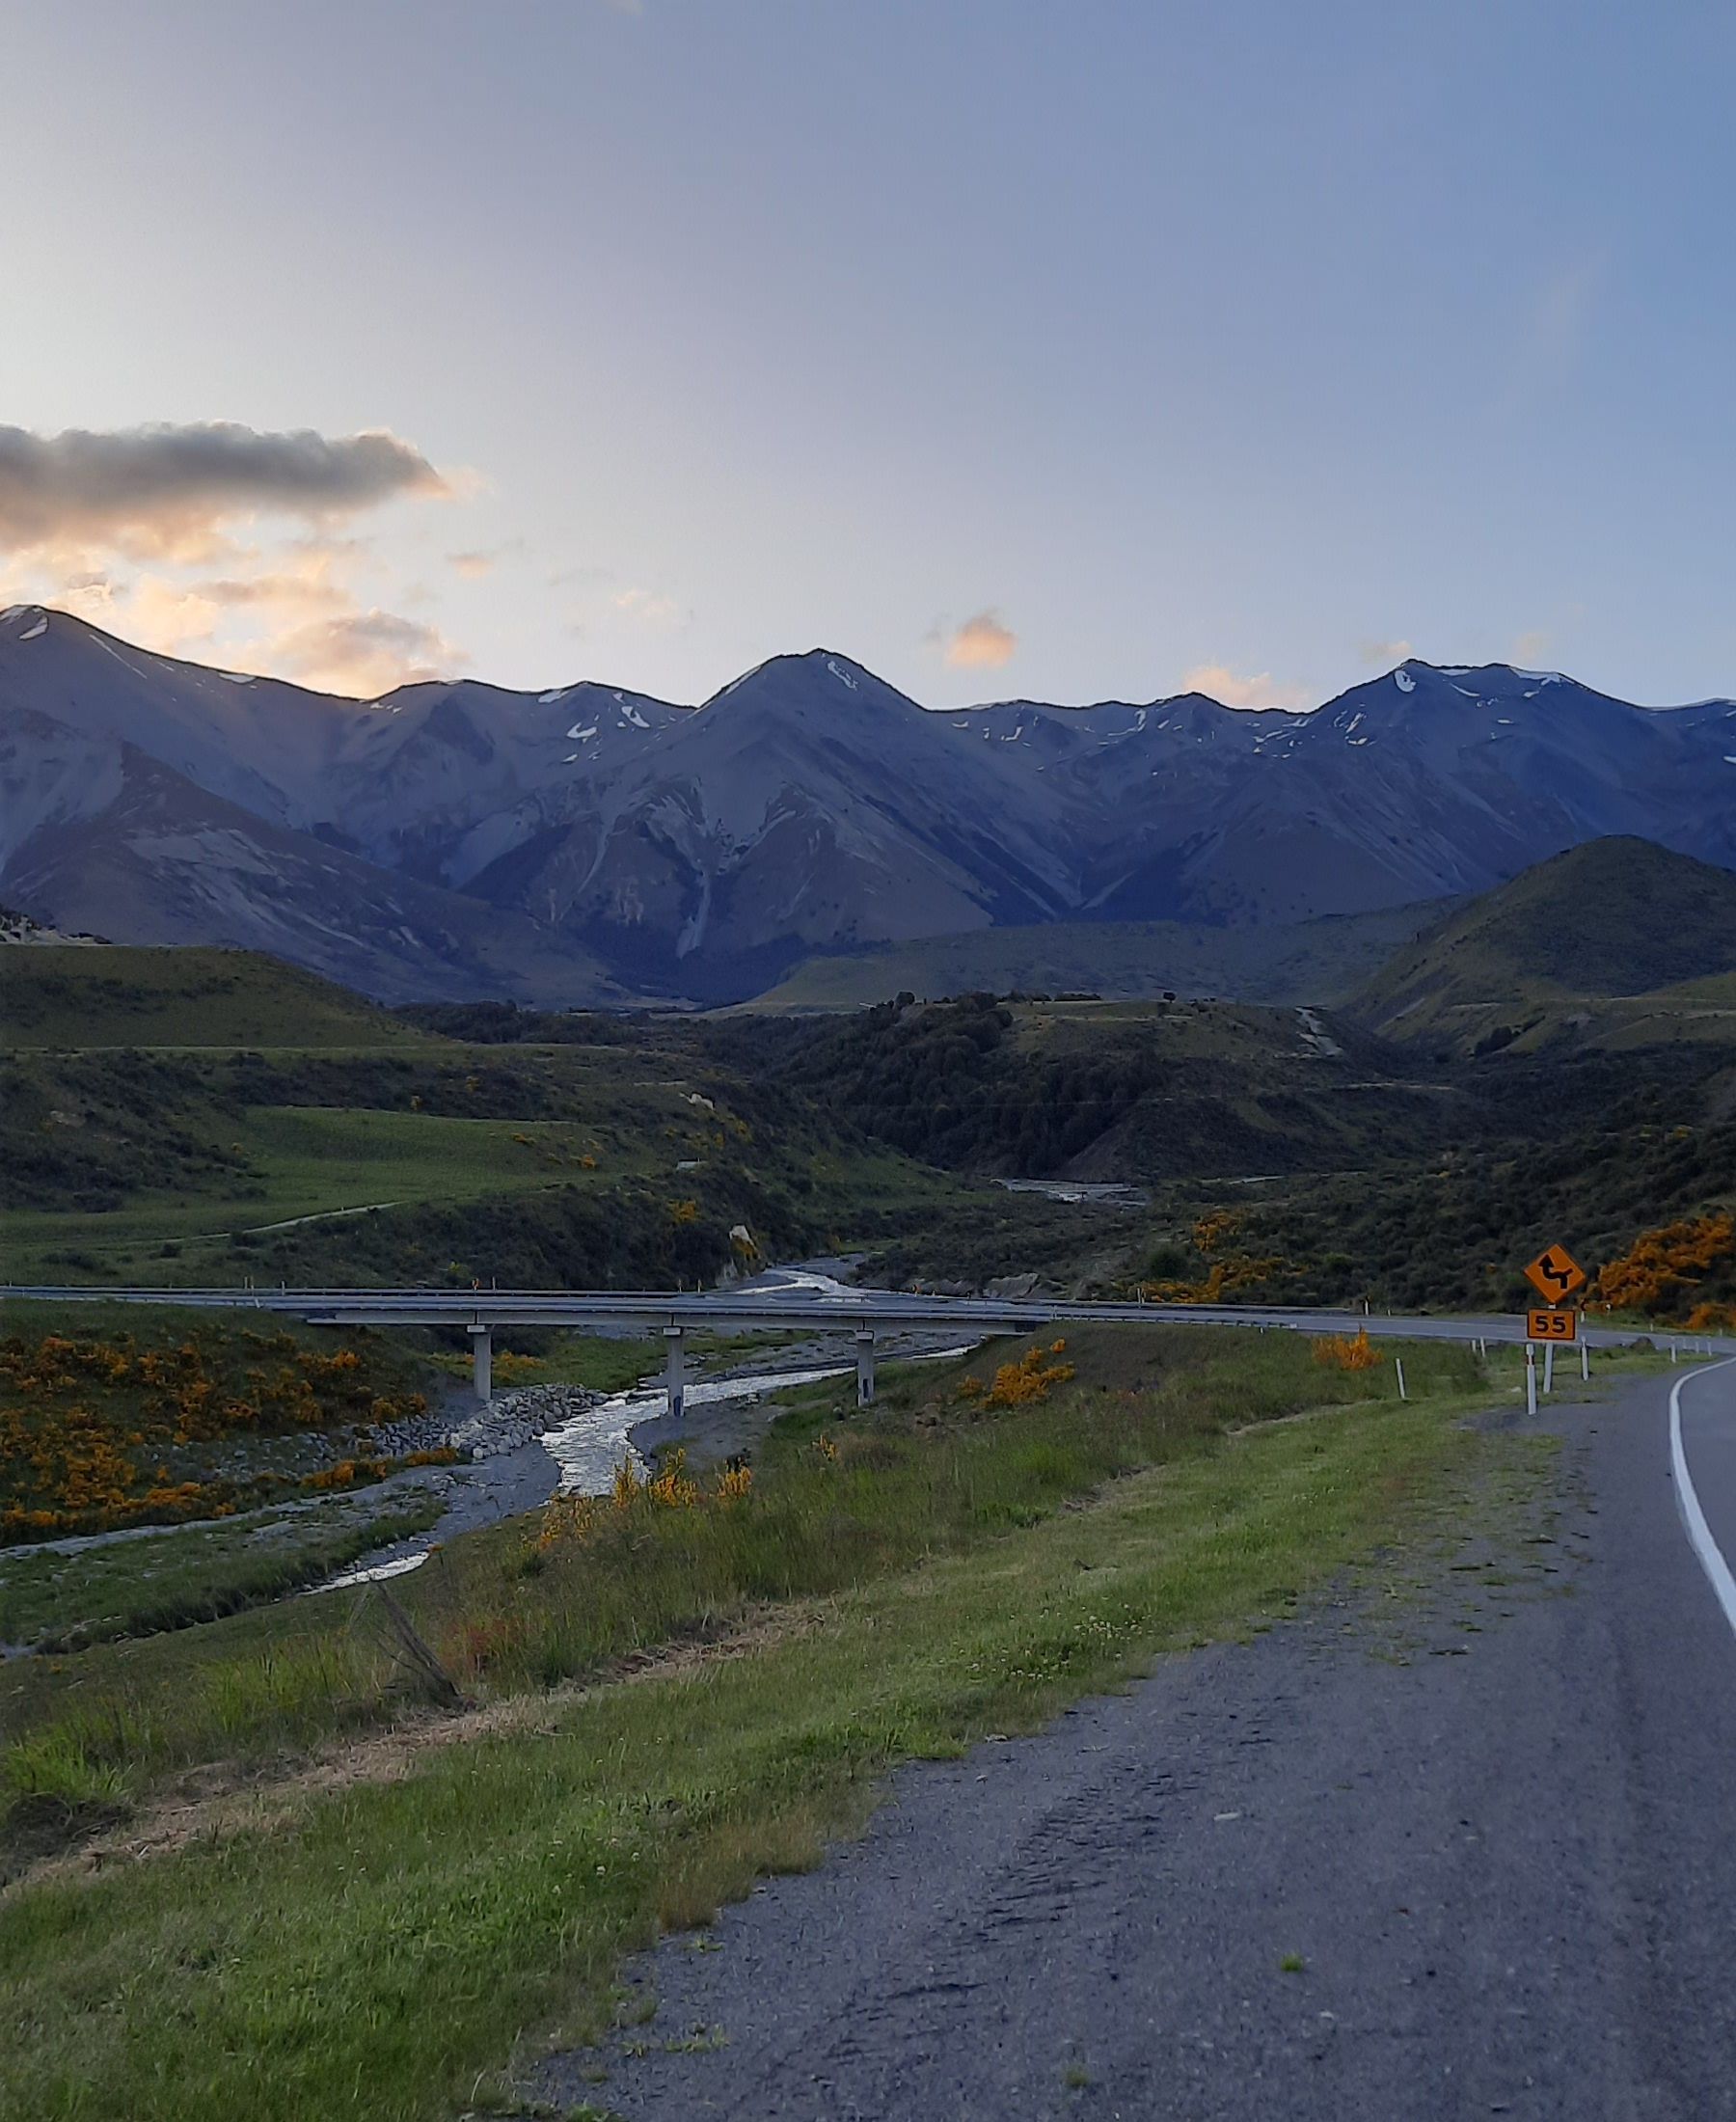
[(675, 1371), (864, 1355), (481, 1341)]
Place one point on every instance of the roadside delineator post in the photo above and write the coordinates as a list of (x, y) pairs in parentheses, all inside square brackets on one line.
[(1531, 1377), (675, 1372), (1398, 1366), (1549, 1367), (1585, 1360), (865, 1359)]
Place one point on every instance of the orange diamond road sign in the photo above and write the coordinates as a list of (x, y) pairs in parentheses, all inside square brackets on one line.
[(1552, 1325), (1554, 1273)]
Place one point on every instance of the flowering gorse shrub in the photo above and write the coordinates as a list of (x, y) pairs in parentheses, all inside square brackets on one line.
[(1347, 1352), (1017, 1384), (1661, 1268), (91, 1430)]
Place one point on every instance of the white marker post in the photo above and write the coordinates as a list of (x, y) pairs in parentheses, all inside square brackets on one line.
[(1531, 1377), (1398, 1366), (1585, 1359), (1549, 1367)]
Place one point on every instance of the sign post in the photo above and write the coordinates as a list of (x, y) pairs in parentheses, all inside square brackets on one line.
[(1555, 1274)]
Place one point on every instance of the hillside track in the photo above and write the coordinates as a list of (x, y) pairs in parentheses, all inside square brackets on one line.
[(1477, 1858)]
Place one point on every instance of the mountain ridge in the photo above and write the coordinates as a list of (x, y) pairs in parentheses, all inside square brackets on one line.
[(697, 854)]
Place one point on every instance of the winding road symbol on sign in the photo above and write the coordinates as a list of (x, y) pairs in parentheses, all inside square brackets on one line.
[(1554, 1273)]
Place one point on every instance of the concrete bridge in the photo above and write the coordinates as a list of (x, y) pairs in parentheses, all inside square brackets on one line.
[(795, 1297)]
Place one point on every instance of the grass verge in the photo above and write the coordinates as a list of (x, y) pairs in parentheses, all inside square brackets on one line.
[(141, 1585), (386, 1946)]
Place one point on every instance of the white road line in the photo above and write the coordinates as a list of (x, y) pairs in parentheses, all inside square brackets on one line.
[(1699, 1533)]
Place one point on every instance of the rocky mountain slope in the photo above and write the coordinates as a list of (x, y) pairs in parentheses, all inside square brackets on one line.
[(459, 839)]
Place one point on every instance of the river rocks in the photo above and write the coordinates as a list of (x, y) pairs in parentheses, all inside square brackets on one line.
[(517, 1417), (399, 1439)]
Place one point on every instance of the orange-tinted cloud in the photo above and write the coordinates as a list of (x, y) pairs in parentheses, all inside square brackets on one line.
[(364, 653), (1384, 655), (1223, 684), (300, 616), (982, 643)]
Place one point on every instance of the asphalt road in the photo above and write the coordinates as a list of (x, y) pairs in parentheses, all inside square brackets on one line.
[(1507, 1858)]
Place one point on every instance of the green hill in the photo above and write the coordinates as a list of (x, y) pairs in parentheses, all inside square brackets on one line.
[(83, 998), (185, 1116), (1615, 941), (1318, 960), (1115, 1090)]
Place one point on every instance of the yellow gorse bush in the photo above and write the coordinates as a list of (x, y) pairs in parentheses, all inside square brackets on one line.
[(73, 1413), (1662, 1267), (1347, 1352), (1019, 1383)]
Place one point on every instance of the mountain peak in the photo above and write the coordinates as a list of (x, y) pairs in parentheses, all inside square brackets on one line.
[(817, 678)]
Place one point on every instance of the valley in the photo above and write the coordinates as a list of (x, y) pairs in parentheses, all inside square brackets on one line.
[(260, 1572)]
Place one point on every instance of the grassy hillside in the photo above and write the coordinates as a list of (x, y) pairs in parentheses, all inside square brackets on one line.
[(1116, 1090), (66, 995), (1629, 1149), (279, 1129), (1318, 961), (1591, 944)]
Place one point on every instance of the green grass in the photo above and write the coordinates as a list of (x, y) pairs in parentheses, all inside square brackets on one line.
[(72, 996), (382, 1948), (503, 1615), (136, 1587), (314, 1161)]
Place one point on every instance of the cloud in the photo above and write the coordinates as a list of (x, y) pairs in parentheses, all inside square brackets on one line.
[(1223, 684), (1383, 655), (648, 606), (165, 493), (364, 653), (982, 643), (483, 559), (300, 616)]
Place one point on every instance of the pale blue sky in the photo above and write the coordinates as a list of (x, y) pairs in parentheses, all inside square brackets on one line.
[(1253, 335)]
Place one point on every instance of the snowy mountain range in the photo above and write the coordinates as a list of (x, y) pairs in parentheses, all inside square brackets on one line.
[(589, 844)]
